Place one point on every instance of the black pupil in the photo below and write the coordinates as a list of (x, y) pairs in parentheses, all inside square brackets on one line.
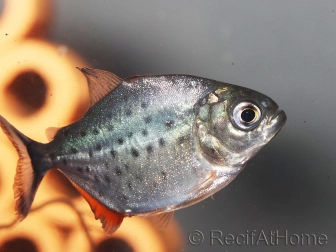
[(248, 115)]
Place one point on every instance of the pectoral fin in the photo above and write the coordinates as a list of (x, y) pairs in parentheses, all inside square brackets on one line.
[(110, 220), (100, 83), (161, 221)]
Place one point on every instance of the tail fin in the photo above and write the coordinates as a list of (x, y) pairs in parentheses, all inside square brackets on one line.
[(29, 172)]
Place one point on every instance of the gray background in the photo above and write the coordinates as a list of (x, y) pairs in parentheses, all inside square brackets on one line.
[(285, 49)]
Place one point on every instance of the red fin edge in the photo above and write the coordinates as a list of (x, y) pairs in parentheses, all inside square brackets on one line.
[(110, 220)]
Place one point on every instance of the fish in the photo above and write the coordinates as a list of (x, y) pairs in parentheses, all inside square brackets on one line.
[(148, 145)]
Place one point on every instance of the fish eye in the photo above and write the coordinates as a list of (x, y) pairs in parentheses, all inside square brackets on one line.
[(246, 115)]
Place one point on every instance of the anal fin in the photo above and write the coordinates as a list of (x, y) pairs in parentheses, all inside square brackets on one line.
[(110, 220)]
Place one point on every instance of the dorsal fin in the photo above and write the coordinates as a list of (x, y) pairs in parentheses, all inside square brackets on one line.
[(161, 221), (110, 220), (100, 83), (51, 132)]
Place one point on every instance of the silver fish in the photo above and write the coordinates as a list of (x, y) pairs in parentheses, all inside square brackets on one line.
[(149, 145)]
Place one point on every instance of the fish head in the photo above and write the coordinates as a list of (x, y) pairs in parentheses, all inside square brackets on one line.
[(233, 123)]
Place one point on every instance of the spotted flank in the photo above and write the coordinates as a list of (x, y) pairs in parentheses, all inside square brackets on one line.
[(148, 145)]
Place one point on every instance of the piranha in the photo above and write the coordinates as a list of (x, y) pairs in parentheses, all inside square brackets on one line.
[(149, 145)]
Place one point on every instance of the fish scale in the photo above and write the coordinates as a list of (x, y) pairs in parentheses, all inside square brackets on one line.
[(157, 168), (149, 145)]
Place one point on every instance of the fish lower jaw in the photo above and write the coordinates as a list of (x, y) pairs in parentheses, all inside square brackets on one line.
[(278, 119), (273, 126)]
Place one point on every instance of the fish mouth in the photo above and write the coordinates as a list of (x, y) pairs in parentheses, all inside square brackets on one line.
[(281, 113), (277, 121)]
